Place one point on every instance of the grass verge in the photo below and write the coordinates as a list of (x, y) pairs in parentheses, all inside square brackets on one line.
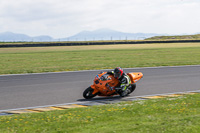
[(180, 114), (73, 58)]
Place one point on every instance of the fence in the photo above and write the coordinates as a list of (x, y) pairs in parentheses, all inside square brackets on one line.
[(46, 44)]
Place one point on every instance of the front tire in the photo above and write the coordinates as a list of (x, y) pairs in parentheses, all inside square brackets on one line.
[(87, 94)]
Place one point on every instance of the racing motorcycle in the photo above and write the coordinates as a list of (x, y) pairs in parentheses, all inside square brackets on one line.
[(105, 85)]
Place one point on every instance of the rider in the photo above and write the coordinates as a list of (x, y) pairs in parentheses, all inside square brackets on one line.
[(124, 80)]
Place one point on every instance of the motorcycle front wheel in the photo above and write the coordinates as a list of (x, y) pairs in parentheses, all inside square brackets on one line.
[(87, 94)]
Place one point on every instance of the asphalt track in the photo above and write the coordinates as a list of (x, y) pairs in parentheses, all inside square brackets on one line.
[(29, 90)]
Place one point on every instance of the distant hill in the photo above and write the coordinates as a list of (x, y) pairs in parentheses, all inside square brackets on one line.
[(16, 37), (100, 34), (178, 37), (107, 34)]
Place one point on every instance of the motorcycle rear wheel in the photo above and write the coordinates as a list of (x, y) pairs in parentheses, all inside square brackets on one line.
[(132, 88), (87, 94)]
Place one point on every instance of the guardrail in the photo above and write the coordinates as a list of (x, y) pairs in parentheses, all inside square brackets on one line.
[(46, 44)]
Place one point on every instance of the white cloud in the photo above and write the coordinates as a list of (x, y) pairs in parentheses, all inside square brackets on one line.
[(63, 18)]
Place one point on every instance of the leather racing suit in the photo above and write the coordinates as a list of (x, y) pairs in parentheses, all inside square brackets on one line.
[(125, 82)]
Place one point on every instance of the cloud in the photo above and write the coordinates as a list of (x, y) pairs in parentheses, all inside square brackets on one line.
[(63, 18)]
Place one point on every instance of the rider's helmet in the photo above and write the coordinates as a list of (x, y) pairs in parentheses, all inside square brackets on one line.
[(118, 72)]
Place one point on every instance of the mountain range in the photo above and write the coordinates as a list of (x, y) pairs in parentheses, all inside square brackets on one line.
[(107, 34), (100, 34), (16, 37)]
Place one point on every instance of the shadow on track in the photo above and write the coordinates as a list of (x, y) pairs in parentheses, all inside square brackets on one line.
[(102, 98)]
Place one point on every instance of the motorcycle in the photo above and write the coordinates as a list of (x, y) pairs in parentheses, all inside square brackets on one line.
[(105, 85)]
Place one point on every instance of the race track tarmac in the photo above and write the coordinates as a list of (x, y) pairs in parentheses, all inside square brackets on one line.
[(29, 90)]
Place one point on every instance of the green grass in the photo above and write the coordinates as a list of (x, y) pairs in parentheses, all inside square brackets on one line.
[(52, 59), (180, 115), (178, 37)]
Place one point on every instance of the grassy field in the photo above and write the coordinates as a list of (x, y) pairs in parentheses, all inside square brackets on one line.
[(72, 58), (180, 115), (180, 37)]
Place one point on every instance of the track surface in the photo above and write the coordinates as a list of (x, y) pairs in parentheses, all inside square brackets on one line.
[(18, 91)]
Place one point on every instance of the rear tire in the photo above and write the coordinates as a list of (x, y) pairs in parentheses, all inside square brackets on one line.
[(87, 94), (132, 88)]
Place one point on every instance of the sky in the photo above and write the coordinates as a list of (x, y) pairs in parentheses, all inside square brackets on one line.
[(64, 18)]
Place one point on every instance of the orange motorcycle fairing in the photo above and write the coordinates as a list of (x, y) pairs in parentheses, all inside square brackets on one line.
[(102, 84), (135, 77), (95, 90)]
